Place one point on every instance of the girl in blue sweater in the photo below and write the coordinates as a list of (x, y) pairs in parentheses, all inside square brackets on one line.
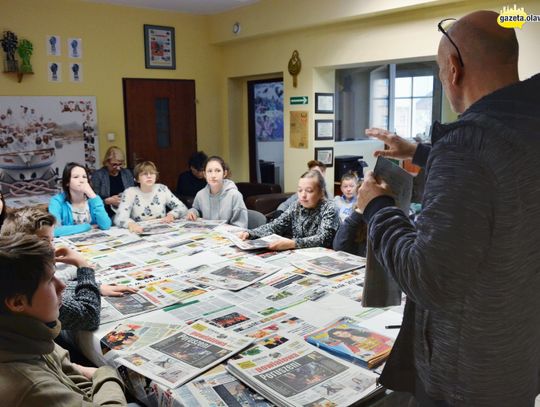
[(78, 209)]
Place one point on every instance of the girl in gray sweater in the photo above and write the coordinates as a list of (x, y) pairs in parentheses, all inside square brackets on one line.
[(219, 199)]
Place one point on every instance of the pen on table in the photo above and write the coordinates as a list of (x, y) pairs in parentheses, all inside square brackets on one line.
[(393, 326)]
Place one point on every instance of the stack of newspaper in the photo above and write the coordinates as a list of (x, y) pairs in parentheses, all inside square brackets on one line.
[(185, 354), (298, 374)]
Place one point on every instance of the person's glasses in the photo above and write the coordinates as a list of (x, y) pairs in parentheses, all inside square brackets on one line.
[(443, 26), (116, 164)]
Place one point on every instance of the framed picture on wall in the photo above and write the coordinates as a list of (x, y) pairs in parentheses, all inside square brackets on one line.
[(324, 103), (324, 129), (159, 52), (325, 155)]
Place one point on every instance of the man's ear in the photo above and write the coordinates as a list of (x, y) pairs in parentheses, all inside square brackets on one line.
[(16, 303), (456, 70)]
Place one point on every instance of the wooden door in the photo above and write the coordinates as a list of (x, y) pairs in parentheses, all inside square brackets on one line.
[(160, 121)]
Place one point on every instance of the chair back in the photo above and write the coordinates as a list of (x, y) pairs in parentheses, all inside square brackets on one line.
[(255, 219)]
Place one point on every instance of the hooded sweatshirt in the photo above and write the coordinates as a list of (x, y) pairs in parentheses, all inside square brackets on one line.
[(228, 205), (35, 372)]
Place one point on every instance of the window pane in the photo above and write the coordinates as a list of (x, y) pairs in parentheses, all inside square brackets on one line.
[(162, 122), (403, 87), (380, 88), (380, 113), (402, 117), (422, 86), (421, 117)]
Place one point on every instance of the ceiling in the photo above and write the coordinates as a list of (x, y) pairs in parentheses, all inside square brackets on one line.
[(203, 7)]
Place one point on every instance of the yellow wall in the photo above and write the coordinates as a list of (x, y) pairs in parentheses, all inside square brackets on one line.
[(392, 34), (327, 37), (113, 48)]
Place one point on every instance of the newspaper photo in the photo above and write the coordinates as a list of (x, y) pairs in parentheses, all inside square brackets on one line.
[(236, 275), (186, 354), (331, 263)]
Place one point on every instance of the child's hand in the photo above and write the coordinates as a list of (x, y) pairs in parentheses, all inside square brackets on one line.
[(70, 256), (191, 216)]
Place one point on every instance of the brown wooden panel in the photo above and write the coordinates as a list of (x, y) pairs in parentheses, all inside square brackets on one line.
[(140, 120)]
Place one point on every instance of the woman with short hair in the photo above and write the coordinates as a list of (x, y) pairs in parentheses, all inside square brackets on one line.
[(112, 179)]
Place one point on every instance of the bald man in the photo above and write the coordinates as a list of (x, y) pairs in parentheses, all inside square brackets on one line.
[(470, 266)]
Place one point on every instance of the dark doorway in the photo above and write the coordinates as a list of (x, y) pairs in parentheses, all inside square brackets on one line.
[(265, 123), (161, 127)]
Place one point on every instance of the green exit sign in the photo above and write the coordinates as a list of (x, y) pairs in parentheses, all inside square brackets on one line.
[(299, 100)]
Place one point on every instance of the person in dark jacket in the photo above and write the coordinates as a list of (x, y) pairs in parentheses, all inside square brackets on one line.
[(469, 265), (192, 181), (112, 179)]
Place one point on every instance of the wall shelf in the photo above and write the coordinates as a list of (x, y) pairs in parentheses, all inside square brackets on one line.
[(19, 74)]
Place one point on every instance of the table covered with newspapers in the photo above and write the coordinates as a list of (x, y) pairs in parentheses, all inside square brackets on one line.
[(222, 322)]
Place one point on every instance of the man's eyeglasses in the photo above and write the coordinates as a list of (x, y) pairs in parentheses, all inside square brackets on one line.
[(116, 164), (443, 26)]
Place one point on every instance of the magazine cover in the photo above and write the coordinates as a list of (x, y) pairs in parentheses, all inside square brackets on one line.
[(298, 374), (347, 339), (186, 354)]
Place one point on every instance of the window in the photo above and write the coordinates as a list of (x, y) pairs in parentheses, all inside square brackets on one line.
[(405, 98)]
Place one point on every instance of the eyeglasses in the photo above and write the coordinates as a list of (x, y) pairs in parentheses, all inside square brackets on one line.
[(443, 26), (116, 164)]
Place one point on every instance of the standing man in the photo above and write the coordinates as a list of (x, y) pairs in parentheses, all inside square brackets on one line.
[(470, 266)]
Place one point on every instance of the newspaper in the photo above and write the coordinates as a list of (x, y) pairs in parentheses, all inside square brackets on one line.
[(88, 238), (331, 263), (153, 296), (215, 388), (380, 288), (186, 354), (156, 226), (235, 275), (131, 335), (279, 291), (298, 374), (255, 244)]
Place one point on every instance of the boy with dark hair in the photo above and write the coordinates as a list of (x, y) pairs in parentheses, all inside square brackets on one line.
[(34, 371), (81, 307), (192, 181)]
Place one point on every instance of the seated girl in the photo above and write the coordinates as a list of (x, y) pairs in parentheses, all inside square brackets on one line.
[(309, 222), (219, 199), (78, 209), (147, 201)]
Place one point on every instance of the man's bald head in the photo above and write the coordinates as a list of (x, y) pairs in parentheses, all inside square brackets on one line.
[(482, 41), (489, 53)]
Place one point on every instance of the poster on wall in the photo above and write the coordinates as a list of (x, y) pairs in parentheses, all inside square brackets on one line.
[(53, 45), (39, 135), (75, 72), (74, 47), (55, 71), (299, 129), (268, 110)]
